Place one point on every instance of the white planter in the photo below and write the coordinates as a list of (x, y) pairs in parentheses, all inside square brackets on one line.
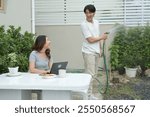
[(131, 72), (13, 70)]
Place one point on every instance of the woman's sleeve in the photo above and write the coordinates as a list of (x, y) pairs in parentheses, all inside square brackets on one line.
[(32, 57), (50, 62)]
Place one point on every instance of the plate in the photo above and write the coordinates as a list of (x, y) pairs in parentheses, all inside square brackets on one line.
[(48, 76), (13, 75)]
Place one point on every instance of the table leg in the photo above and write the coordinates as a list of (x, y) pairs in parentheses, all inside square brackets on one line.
[(56, 95), (26, 94), (12, 94)]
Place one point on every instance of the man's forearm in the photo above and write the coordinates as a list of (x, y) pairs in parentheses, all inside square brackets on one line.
[(94, 39)]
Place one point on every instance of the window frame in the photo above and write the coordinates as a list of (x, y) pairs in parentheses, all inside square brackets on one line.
[(1, 4), (123, 14)]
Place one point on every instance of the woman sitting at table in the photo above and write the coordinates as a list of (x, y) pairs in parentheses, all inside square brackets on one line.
[(40, 58)]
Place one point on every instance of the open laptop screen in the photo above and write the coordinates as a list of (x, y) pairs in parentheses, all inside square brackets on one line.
[(56, 66)]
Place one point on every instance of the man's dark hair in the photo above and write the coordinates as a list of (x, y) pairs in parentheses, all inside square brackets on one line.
[(90, 7)]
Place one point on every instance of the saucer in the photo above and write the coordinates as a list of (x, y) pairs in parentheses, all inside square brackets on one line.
[(13, 75), (48, 76)]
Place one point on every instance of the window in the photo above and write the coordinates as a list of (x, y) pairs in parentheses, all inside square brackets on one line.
[(1, 4), (136, 12), (68, 12), (109, 11)]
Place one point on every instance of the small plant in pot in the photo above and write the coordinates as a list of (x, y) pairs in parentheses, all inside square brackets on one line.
[(130, 54), (130, 65), (12, 63)]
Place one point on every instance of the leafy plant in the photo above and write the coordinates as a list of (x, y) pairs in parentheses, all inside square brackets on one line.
[(131, 47), (114, 56), (144, 47), (131, 56), (12, 57), (117, 48), (13, 41)]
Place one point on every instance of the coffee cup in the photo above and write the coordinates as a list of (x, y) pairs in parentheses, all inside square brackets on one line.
[(62, 73), (13, 70)]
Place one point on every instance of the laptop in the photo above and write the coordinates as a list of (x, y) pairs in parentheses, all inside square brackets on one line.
[(56, 66)]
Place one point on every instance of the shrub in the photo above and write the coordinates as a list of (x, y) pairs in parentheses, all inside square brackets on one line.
[(131, 47), (13, 41)]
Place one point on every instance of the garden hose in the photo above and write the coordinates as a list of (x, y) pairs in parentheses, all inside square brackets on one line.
[(103, 86)]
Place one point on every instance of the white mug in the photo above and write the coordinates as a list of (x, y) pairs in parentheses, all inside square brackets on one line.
[(62, 73), (13, 70)]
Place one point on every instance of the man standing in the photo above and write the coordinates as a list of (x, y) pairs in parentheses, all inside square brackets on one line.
[(91, 48)]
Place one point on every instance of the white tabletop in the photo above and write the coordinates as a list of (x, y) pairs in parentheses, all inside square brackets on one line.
[(72, 81)]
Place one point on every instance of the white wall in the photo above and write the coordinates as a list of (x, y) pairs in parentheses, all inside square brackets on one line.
[(17, 13), (66, 42)]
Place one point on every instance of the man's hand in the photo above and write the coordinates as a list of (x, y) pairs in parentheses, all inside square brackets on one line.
[(101, 53), (103, 36)]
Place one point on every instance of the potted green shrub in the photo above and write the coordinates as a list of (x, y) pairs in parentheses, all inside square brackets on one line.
[(130, 48), (124, 56), (16, 44), (12, 63), (130, 54), (130, 65)]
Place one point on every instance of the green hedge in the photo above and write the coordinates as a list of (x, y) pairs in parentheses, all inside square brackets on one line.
[(131, 47), (13, 41)]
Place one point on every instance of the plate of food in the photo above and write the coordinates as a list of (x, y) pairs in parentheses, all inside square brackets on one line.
[(48, 76)]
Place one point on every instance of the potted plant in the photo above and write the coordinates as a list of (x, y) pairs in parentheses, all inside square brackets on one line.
[(131, 53), (12, 63), (124, 50), (130, 66), (130, 49), (12, 40)]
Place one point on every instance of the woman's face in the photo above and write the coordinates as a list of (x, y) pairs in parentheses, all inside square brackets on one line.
[(89, 15), (47, 43)]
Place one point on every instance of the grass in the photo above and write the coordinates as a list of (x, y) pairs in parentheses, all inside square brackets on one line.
[(121, 92)]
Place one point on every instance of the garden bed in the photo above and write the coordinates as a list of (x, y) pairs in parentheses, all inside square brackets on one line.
[(129, 89)]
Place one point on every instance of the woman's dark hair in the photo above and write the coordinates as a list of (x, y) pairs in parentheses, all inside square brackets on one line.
[(90, 7), (39, 44)]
